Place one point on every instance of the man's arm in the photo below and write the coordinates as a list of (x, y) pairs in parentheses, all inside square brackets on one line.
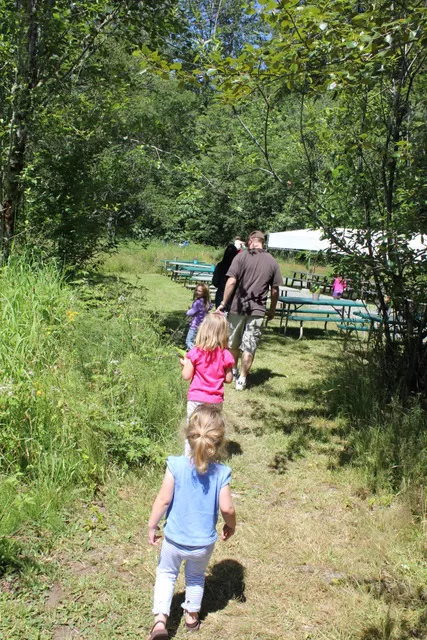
[(273, 302), (230, 285)]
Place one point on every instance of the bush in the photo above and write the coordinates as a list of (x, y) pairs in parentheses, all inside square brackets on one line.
[(385, 438), (127, 367), (85, 380)]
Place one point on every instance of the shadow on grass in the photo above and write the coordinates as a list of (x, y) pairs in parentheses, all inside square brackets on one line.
[(259, 376), (13, 559), (233, 448), (300, 424), (275, 334), (225, 582), (386, 629), (393, 591), (290, 421)]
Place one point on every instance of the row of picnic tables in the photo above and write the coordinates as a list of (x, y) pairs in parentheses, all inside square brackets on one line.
[(188, 271), (349, 315)]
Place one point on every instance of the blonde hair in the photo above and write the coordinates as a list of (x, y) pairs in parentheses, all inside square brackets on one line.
[(212, 333), (205, 434), (206, 294)]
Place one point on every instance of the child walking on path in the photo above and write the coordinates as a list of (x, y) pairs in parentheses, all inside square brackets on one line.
[(192, 491), (209, 364), (197, 312)]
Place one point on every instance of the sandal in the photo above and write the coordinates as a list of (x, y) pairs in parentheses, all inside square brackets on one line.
[(158, 634), (192, 626)]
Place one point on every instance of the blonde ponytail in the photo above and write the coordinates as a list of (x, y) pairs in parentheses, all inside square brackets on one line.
[(205, 435)]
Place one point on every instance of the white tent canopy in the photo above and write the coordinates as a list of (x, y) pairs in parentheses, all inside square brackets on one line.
[(311, 240), (418, 243), (298, 240)]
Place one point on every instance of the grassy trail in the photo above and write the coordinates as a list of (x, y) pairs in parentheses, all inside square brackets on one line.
[(315, 554)]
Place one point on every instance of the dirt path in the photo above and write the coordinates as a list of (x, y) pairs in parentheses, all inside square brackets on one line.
[(314, 556)]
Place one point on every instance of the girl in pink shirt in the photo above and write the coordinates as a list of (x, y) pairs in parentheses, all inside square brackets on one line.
[(338, 286), (209, 364)]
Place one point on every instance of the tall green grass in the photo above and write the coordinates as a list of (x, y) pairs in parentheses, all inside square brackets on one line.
[(387, 440), (147, 258), (85, 381)]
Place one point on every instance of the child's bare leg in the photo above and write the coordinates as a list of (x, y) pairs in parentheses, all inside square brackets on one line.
[(191, 617)]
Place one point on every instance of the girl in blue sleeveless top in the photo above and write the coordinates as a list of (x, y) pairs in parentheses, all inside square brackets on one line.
[(193, 490)]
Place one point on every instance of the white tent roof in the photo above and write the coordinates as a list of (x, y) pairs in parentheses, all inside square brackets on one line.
[(310, 240), (298, 240), (418, 243)]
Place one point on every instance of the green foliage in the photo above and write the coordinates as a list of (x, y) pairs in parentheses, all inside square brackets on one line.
[(123, 361), (357, 73), (54, 53), (86, 380), (225, 24), (387, 440)]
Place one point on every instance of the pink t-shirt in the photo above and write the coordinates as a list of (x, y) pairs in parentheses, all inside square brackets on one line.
[(338, 286), (207, 384)]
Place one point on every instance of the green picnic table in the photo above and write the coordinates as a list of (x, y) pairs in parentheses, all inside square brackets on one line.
[(321, 310)]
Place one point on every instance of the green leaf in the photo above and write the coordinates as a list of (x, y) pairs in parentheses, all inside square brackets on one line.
[(271, 5)]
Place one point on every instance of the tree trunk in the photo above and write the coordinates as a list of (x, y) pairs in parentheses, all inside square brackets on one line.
[(25, 81)]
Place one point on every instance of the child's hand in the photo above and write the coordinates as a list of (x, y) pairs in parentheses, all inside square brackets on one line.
[(227, 532), (153, 539), (182, 361)]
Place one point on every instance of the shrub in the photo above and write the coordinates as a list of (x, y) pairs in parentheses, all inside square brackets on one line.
[(85, 381), (387, 439)]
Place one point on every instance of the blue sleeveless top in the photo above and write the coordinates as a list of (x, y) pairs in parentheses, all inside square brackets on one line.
[(193, 513)]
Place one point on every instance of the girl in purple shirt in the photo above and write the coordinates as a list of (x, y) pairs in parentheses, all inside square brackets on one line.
[(197, 312)]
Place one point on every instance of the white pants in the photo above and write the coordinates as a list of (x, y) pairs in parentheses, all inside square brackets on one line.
[(196, 561), (191, 406)]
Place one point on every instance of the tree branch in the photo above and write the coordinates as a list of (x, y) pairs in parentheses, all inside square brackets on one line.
[(259, 145)]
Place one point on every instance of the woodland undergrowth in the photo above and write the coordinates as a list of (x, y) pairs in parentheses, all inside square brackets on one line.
[(86, 382)]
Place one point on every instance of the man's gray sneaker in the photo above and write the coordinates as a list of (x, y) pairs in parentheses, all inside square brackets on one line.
[(240, 385)]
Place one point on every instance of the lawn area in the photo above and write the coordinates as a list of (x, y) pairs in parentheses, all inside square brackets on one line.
[(316, 554)]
